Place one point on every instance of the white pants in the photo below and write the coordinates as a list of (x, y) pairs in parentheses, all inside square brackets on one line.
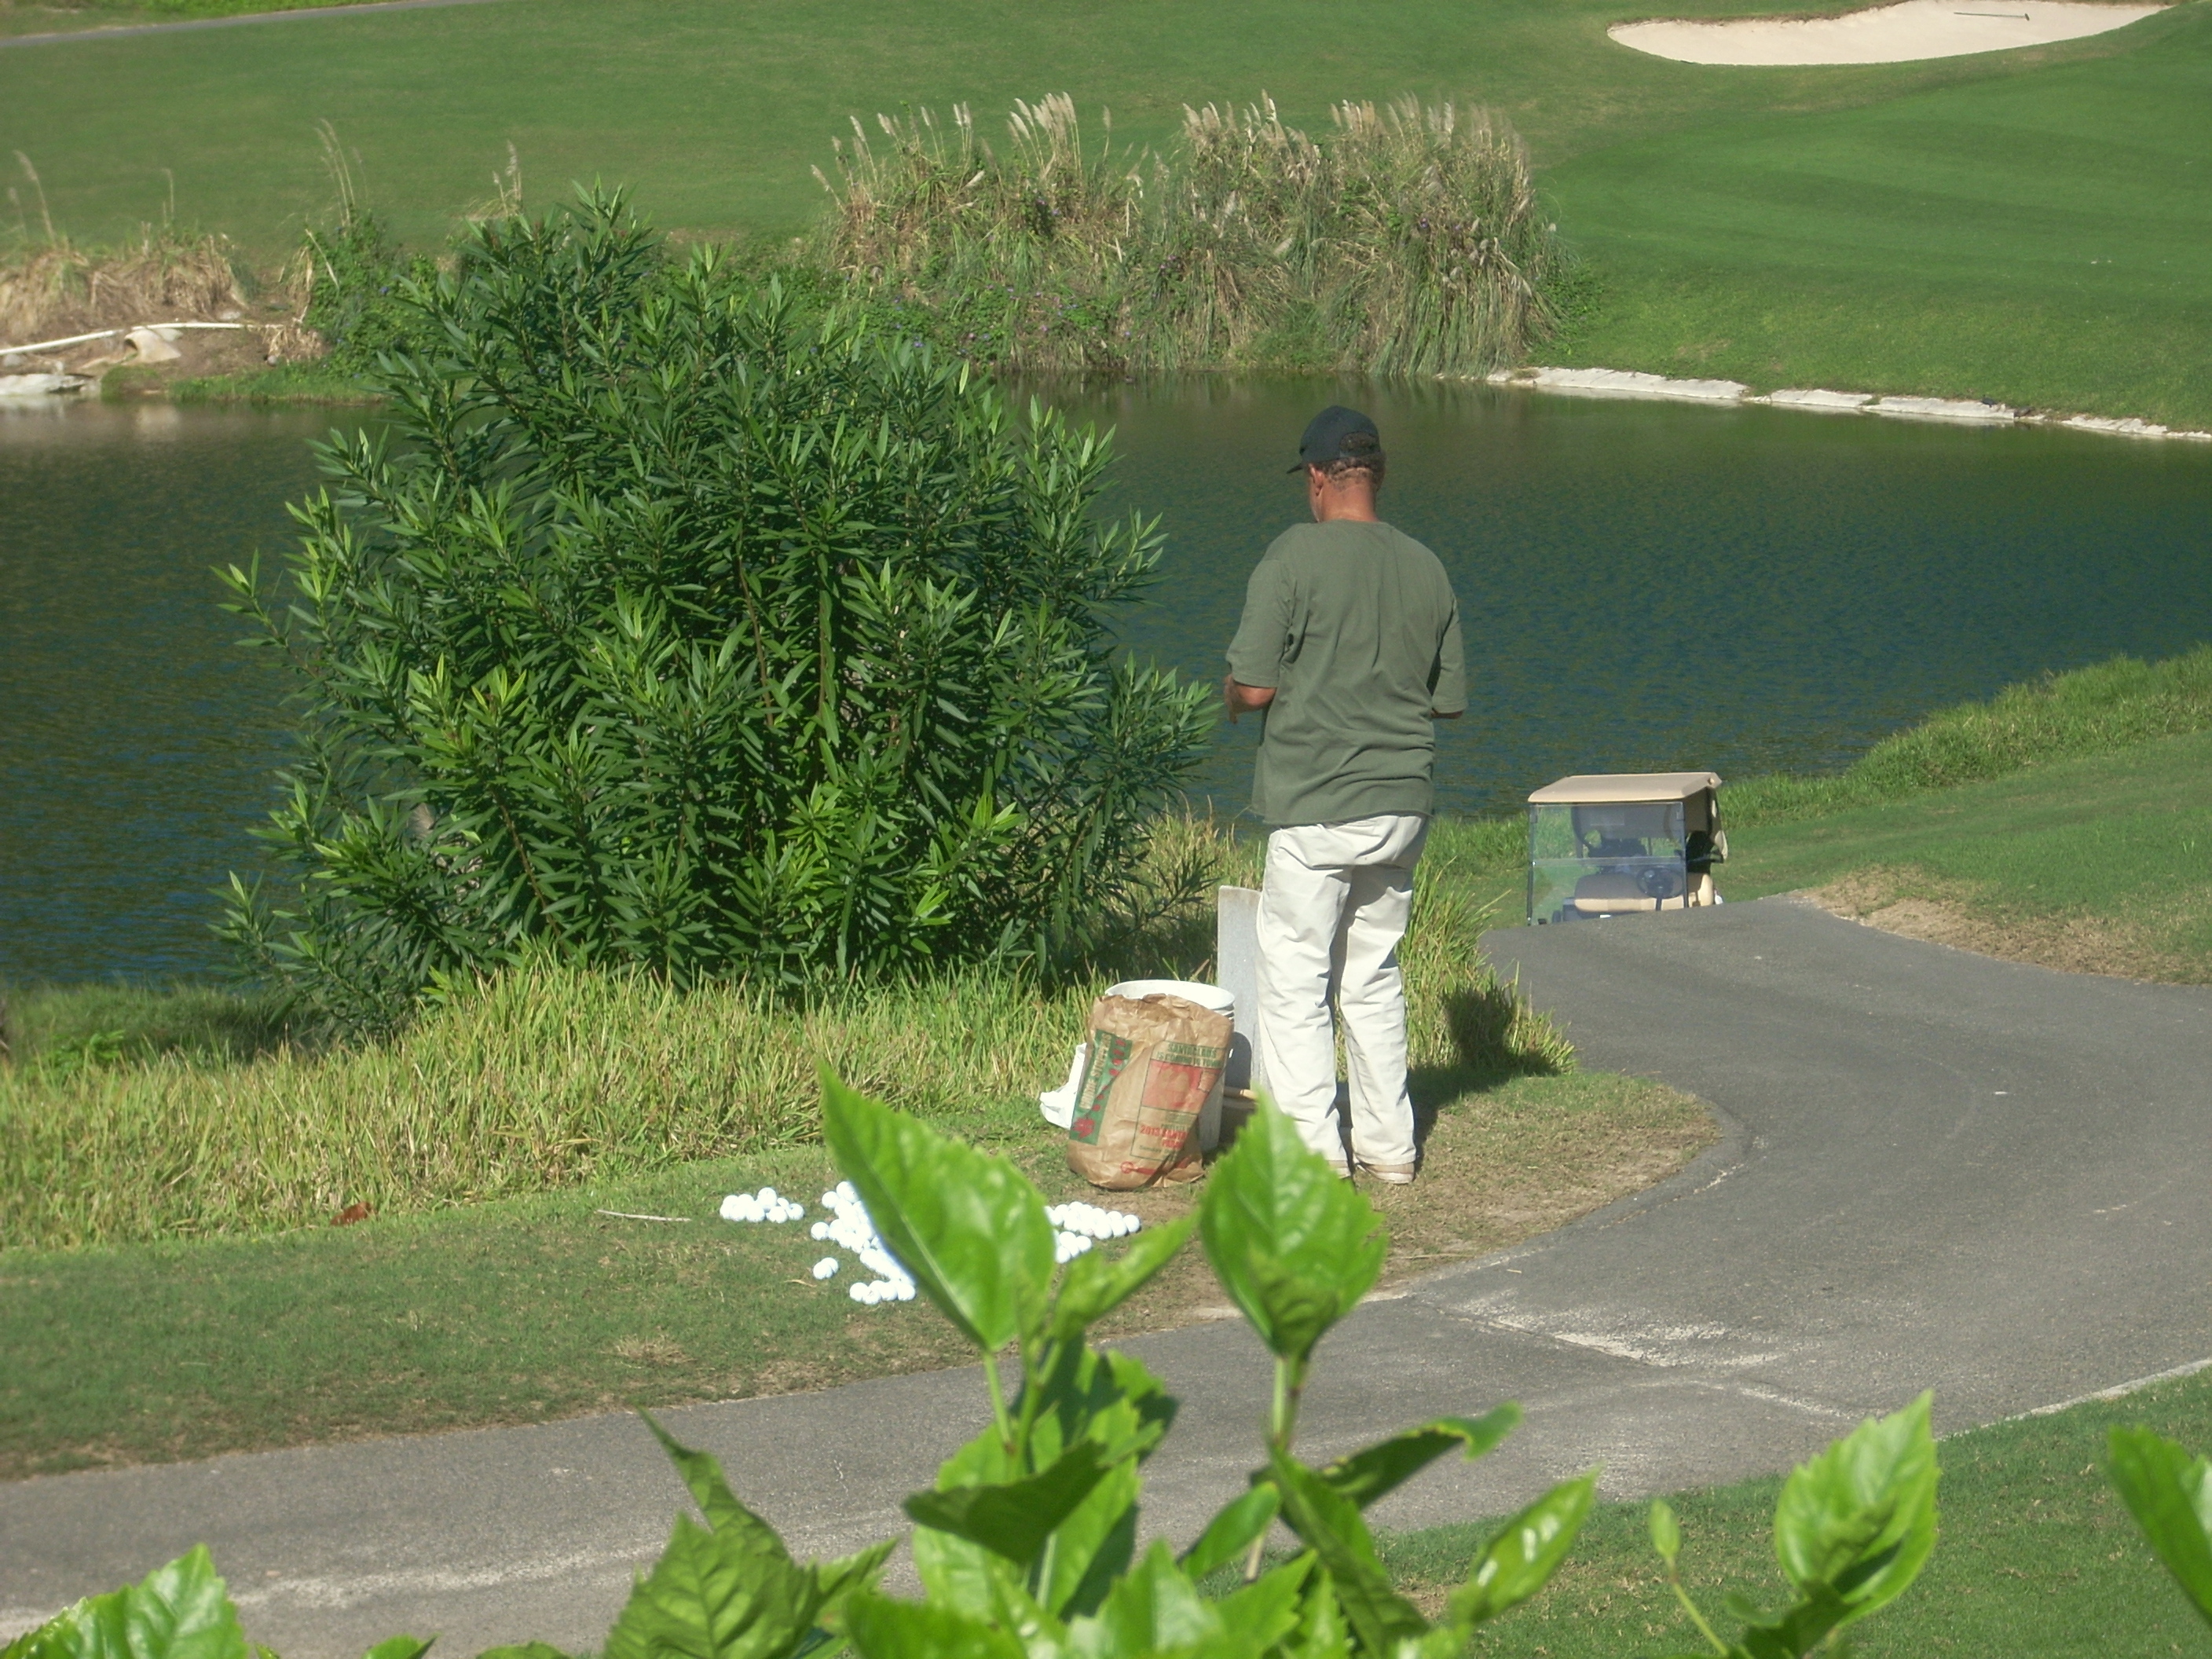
[(1332, 911)]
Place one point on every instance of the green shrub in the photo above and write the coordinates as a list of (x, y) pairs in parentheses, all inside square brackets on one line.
[(357, 282), (1409, 240), (673, 632)]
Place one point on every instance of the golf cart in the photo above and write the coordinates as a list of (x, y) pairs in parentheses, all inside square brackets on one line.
[(1623, 844)]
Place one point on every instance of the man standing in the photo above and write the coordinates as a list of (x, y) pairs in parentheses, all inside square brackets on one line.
[(1350, 643)]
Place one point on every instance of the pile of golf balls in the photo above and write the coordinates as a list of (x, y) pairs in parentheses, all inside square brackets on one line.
[(1077, 1227), (766, 1204), (849, 1227)]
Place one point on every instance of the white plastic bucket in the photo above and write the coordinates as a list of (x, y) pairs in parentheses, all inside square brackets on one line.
[(1206, 996)]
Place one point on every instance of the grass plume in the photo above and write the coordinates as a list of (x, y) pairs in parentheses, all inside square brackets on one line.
[(1407, 240), (54, 287)]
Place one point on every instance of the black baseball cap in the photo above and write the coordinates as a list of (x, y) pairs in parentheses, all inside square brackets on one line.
[(1338, 433)]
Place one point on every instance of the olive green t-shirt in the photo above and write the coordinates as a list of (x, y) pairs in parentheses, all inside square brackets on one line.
[(1356, 627)]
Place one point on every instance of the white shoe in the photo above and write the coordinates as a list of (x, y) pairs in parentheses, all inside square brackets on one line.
[(1390, 1175)]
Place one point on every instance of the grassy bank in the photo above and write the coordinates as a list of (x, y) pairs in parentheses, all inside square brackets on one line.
[(285, 383), (2003, 223), (2037, 1558), (2097, 710), (553, 1077), (2095, 865), (528, 1309)]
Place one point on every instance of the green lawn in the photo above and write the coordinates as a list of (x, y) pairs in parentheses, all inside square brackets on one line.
[(2102, 863), (1924, 227), (2037, 239), (2036, 1558)]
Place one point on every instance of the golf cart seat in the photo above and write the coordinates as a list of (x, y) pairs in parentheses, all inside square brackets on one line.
[(1613, 892)]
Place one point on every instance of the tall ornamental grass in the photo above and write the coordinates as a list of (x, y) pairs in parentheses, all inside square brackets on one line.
[(666, 629), (548, 1073), (1407, 239)]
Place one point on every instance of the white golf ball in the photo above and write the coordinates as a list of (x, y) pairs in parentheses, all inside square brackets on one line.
[(826, 1268)]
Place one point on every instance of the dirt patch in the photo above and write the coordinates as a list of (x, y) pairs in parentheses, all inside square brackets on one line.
[(1498, 1168), (1907, 901), (201, 352)]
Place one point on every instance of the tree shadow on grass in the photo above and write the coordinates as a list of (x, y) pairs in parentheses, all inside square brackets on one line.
[(60, 1030)]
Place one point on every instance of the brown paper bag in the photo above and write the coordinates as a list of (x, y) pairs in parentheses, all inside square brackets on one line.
[(1152, 1063)]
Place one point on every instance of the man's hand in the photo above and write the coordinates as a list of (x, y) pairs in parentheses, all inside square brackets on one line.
[(1240, 699)]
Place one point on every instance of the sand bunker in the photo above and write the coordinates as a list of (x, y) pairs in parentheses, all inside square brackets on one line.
[(1885, 35)]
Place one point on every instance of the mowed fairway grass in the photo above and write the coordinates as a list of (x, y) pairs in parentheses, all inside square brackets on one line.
[(528, 1309), (1921, 226), (2035, 240), (2102, 864)]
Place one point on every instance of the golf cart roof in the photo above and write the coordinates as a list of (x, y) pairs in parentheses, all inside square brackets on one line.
[(1610, 788)]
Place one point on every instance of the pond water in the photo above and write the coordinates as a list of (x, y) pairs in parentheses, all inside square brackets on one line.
[(1643, 586)]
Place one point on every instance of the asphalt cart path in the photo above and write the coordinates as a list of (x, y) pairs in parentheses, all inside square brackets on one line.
[(125, 30), (1938, 1171)]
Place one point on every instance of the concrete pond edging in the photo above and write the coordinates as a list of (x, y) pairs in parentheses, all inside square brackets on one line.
[(1635, 383)]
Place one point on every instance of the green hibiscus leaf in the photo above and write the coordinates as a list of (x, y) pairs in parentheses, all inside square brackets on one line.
[(1151, 1609), (1330, 1525), (1013, 1518), (2170, 1495), (1382, 1468), (880, 1628), (1295, 1247), (1235, 1526), (1526, 1553), (1860, 1518), (180, 1611), (969, 1227)]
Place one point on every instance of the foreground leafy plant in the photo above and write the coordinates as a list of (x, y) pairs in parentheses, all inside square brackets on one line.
[(1852, 1530), (1027, 1544), (2170, 1495)]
